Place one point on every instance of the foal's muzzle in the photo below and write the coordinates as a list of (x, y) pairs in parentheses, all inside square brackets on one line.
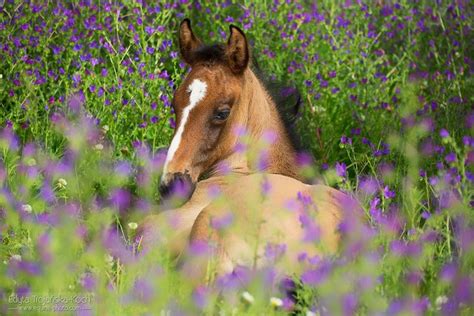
[(177, 185)]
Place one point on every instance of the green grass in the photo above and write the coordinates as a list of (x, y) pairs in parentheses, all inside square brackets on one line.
[(80, 94)]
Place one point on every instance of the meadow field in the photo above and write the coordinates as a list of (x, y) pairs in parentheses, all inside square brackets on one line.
[(387, 115)]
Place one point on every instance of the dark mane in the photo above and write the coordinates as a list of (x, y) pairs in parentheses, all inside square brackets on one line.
[(286, 97), (210, 54)]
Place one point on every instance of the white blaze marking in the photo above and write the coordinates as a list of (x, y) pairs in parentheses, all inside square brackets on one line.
[(197, 90)]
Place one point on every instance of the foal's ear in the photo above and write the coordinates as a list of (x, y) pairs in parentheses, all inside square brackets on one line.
[(188, 42), (237, 50)]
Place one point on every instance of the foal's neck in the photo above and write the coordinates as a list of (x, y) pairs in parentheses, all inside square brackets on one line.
[(260, 116)]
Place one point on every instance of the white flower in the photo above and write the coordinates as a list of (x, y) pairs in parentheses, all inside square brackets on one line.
[(1, 76), (62, 183), (132, 225), (15, 257), (247, 297), (105, 128), (99, 146), (310, 313), (27, 208), (440, 301), (276, 302)]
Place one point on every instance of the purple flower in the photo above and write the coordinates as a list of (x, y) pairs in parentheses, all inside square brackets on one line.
[(43, 248), (346, 140), (443, 133), (403, 248), (341, 169), (47, 193), (369, 185), (164, 75), (150, 50), (414, 277), (450, 158), (273, 251), (349, 304), (100, 92), (76, 78), (388, 194), (200, 248), (123, 168), (263, 161), (265, 187), (121, 199), (149, 30), (239, 277), (449, 272), (468, 141), (312, 232), (201, 296), (30, 267), (304, 159), (172, 123), (304, 198), (88, 282), (23, 291), (316, 276), (114, 244), (222, 221), (143, 290), (470, 120)]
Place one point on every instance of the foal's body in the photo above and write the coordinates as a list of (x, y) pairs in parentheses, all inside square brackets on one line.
[(258, 210), (218, 99)]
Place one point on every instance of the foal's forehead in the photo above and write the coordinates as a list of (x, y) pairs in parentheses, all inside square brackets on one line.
[(216, 78), (208, 74)]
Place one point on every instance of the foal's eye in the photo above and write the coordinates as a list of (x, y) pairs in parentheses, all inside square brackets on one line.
[(221, 115)]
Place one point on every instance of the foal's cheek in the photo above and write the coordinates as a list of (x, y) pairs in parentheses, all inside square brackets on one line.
[(212, 137), (208, 153)]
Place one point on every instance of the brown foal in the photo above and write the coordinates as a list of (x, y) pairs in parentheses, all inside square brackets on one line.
[(227, 124)]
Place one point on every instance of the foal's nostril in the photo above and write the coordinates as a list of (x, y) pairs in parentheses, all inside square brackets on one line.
[(180, 186)]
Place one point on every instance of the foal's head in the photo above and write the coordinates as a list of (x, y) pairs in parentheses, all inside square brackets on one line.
[(214, 99)]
